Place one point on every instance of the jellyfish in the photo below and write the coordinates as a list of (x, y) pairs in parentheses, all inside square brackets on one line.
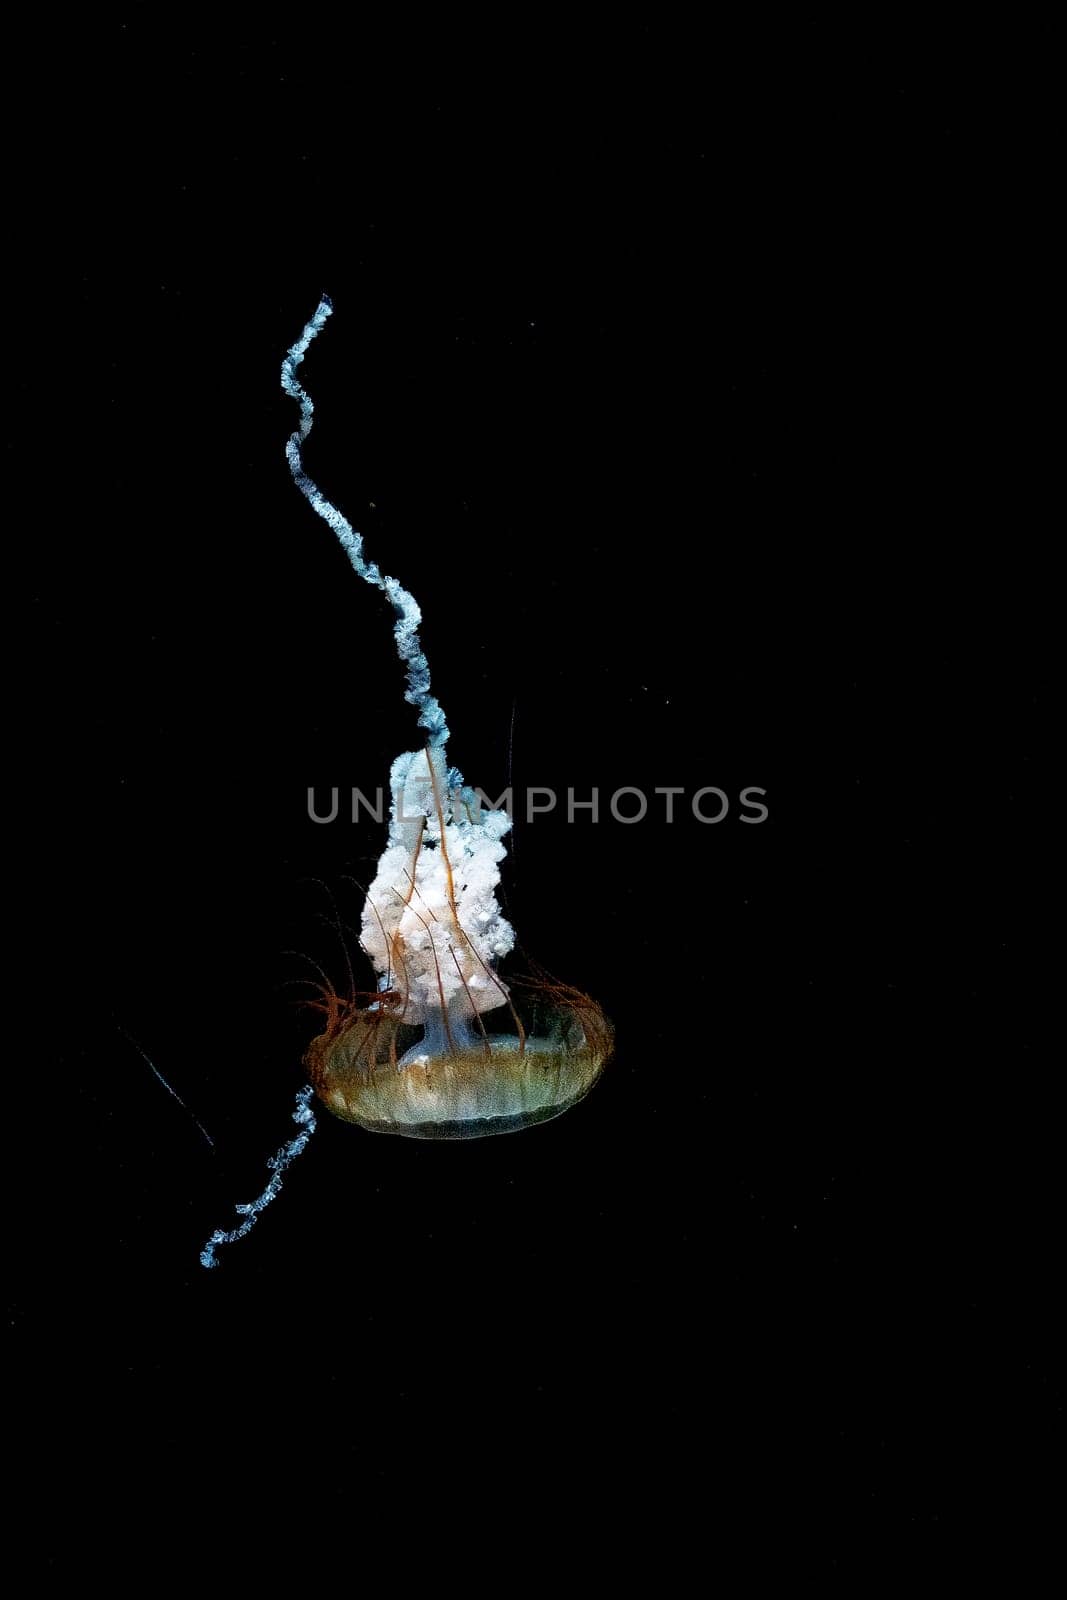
[(440, 1046)]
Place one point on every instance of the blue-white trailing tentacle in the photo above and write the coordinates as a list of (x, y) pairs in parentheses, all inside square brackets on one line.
[(304, 1117), (408, 615)]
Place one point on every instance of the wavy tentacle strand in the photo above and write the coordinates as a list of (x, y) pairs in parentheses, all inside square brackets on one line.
[(304, 1117), (408, 615)]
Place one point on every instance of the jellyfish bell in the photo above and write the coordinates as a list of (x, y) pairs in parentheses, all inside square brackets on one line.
[(514, 1081), (441, 1051)]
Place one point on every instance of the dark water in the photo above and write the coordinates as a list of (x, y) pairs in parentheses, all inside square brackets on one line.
[(653, 373)]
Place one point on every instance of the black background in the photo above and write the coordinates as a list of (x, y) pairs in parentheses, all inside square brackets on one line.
[(664, 369)]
